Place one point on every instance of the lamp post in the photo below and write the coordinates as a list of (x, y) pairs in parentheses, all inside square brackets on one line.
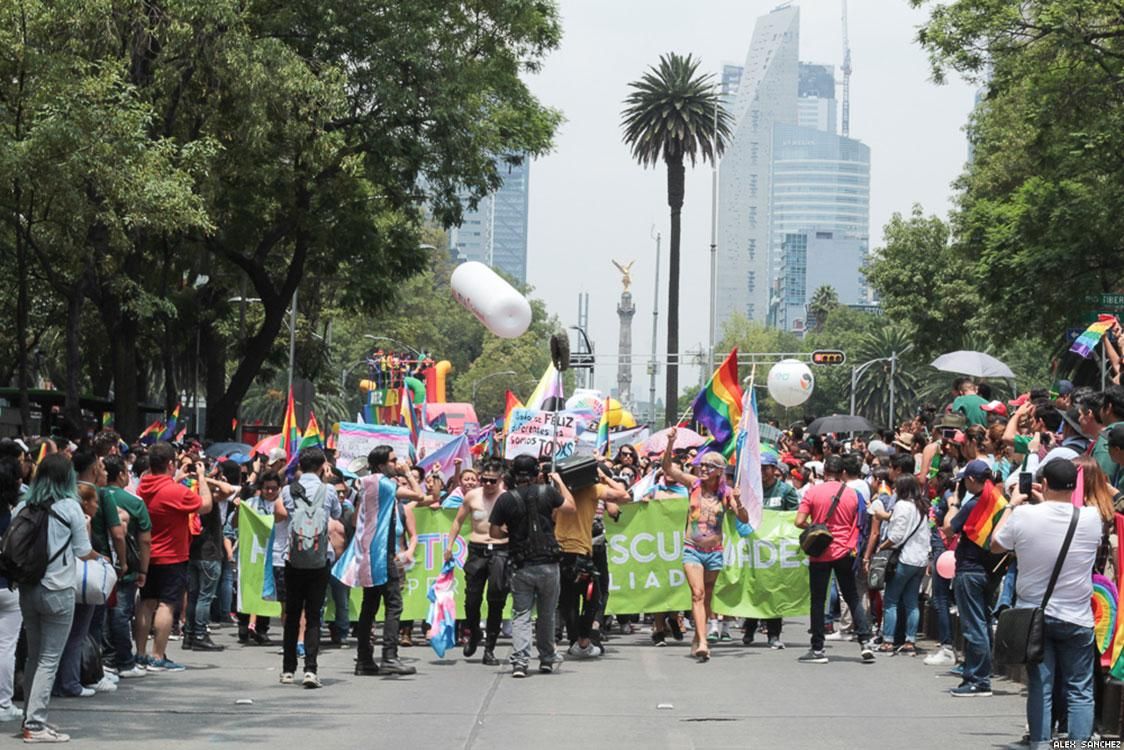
[(478, 381), (857, 370), (653, 367), (588, 349)]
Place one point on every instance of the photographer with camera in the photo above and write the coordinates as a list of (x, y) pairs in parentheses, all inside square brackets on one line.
[(525, 515)]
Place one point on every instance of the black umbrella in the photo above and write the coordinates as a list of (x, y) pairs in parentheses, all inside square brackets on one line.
[(840, 423), (228, 449)]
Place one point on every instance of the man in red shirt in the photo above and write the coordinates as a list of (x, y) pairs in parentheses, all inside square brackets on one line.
[(838, 558), (170, 506)]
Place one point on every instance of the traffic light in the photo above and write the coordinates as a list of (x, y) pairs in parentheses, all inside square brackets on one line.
[(828, 357)]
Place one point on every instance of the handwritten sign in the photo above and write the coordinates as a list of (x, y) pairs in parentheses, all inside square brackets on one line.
[(533, 434), (356, 440)]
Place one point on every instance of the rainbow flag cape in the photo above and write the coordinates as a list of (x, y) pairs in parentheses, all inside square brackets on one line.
[(1088, 340), (981, 521), (719, 405), (290, 432), (406, 415), (602, 446), (170, 428), (1105, 603), (550, 386), (312, 437), (511, 403)]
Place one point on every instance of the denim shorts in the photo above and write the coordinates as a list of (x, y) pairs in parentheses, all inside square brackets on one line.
[(711, 560)]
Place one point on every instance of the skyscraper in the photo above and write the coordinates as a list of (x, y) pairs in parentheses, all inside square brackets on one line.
[(766, 94), (794, 196), (495, 232)]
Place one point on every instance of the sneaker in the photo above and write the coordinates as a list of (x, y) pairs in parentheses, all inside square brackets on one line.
[(971, 690), (838, 635), (956, 671), (712, 633), (205, 644), (942, 657), (165, 665), (143, 660), (134, 671), (866, 652), (490, 659), (724, 632), (286, 678), (575, 649), (104, 685), (85, 692), (11, 713), (111, 676), (814, 657), (366, 669), (44, 734), (394, 666), (659, 639), (311, 681), (519, 671), (176, 633), (547, 667), (776, 644)]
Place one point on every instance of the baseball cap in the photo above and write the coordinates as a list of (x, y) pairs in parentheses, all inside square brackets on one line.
[(1063, 387), (277, 454), (770, 459), (1060, 475), (977, 469), (1116, 437), (995, 407), (877, 446)]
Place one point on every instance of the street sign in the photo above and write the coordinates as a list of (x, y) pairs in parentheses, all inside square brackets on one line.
[(580, 361), (828, 357), (1109, 302)]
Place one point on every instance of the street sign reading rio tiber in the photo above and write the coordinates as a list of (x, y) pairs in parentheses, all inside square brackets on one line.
[(828, 357)]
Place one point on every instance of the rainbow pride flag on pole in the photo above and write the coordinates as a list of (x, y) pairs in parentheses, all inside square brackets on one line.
[(290, 432), (719, 405), (170, 429), (151, 433), (1091, 337), (312, 437), (981, 521), (511, 403), (602, 446)]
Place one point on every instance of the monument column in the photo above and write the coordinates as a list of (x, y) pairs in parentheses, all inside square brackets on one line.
[(625, 311)]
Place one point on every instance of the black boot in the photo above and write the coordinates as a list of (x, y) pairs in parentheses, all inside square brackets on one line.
[(472, 643), (366, 669), (490, 659), (204, 644)]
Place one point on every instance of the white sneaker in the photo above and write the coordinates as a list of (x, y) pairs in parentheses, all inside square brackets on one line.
[(87, 692), (712, 631), (942, 657), (111, 676), (838, 635), (311, 681), (135, 671), (11, 713), (104, 685), (724, 631), (575, 649), (286, 678)]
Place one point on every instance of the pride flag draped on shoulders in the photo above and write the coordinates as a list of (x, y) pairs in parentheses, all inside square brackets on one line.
[(981, 521), (364, 562), (719, 405)]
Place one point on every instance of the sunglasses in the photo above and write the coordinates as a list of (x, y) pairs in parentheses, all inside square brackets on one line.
[(486, 480)]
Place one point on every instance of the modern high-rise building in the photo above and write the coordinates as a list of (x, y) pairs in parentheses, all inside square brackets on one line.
[(495, 232), (766, 94), (794, 200)]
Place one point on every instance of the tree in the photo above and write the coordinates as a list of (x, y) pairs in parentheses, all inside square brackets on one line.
[(824, 302), (671, 115), (874, 386)]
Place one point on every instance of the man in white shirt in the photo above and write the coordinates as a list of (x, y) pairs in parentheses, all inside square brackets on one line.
[(1035, 532)]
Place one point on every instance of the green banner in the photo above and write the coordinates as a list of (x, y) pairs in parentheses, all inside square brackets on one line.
[(253, 547), (765, 574)]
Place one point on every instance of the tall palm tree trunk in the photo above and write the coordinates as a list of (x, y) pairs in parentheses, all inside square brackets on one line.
[(675, 180)]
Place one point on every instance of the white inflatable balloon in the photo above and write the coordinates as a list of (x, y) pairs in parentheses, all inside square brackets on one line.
[(791, 382), (495, 303)]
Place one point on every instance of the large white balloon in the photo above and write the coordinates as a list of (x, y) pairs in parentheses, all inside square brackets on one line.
[(495, 303), (791, 382)]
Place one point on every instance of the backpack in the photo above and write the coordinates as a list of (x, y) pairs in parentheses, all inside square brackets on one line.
[(539, 546), (308, 529), (24, 550)]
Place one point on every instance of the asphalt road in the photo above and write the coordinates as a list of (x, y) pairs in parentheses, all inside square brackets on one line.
[(636, 696)]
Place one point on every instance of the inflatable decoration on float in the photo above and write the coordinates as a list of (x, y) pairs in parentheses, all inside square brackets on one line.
[(495, 303)]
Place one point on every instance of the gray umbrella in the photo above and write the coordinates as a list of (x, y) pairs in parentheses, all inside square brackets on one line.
[(228, 449), (977, 364), (839, 423)]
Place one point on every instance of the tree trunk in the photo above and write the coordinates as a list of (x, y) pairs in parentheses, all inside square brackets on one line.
[(126, 411), (22, 348), (675, 179), (72, 410), (225, 408), (214, 363)]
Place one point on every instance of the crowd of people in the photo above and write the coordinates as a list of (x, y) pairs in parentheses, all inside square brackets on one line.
[(164, 517)]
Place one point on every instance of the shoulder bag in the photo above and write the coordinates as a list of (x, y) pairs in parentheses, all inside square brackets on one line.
[(815, 539), (1020, 636)]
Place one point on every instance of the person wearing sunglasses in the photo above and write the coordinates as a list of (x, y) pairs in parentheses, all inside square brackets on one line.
[(710, 499), (486, 564)]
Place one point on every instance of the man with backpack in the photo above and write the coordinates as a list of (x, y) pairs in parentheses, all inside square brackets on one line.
[(525, 516), (309, 503)]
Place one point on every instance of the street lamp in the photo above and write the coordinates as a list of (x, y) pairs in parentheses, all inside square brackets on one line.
[(858, 370), (588, 350), (478, 381)]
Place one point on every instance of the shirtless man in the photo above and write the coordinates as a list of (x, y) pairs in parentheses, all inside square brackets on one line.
[(487, 561)]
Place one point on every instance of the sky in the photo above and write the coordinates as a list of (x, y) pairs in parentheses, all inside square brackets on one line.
[(590, 202)]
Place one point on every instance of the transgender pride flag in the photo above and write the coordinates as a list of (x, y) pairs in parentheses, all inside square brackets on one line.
[(364, 562)]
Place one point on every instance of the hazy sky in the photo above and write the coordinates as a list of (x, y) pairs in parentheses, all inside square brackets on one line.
[(591, 202)]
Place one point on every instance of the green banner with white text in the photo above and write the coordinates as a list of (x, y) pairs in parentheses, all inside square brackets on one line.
[(253, 550)]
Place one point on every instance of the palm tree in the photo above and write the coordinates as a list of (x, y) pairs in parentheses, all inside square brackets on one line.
[(872, 394), (673, 114), (824, 300)]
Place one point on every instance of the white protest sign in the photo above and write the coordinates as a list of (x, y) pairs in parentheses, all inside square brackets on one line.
[(533, 434)]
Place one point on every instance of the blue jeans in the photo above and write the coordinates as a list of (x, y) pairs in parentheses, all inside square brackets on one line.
[(900, 599), (1007, 595), (341, 597), (835, 608), (68, 681), (202, 585), (942, 597), (121, 626), (1068, 656), (975, 625), (224, 600), (47, 619)]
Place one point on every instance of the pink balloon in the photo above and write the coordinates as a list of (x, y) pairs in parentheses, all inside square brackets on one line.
[(946, 564)]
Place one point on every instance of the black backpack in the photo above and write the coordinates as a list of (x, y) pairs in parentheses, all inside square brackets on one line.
[(539, 545), (24, 552)]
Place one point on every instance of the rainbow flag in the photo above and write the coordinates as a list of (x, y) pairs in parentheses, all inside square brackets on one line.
[(180, 435), (1088, 340), (152, 433), (511, 403), (290, 432), (170, 428), (550, 386), (107, 420), (312, 437), (981, 521), (1104, 603), (42, 453), (406, 415), (719, 405), (602, 446)]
